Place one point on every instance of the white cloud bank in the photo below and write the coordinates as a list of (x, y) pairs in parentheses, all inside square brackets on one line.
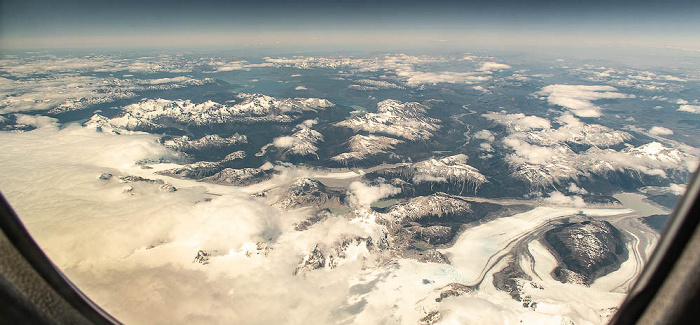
[(519, 122), (361, 194), (493, 66), (695, 109), (542, 157), (578, 98), (132, 252), (660, 130), (559, 199)]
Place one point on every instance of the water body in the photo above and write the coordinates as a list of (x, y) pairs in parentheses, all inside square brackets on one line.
[(254, 82), (384, 203), (640, 204), (357, 110)]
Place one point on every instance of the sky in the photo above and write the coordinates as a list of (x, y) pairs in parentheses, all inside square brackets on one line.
[(179, 23)]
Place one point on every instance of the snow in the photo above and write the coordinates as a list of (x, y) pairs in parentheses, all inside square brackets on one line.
[(400, 119), (451, 168), (362, 146), (478, 247), (542, 155), (252, 107)]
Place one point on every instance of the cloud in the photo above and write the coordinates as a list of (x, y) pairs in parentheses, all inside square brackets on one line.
[(534, 154), (493, 66), (285, 142), (543, 157), (519, 122), (409, 69), (486, 147), (578, 98), (302, 142), (695, 109), (379, 84), (166, 80), (481, 89), (361, 194), (485, 135), (557, 198), (660, 130), (575, 189), (414, 78), (221, 66), (64, 92), (36, 120), (132, 252), (33, 65), (677, 189), (574, 130), (310, 123)]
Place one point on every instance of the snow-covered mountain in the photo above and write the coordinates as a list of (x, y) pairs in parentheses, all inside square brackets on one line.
[(400, 119), (249, 108), (363, 146), (212, 141)]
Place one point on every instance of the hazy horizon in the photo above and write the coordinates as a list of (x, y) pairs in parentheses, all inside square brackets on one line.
[(78, 24)]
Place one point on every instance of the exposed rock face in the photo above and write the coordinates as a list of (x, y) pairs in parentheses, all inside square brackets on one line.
[(332, 256), (543, 155), (452, 169), (309, 192), (510, 279), (432, 207), (431, 318), (202, 169), (165, 187), (312, 220), (416, 226), (198, 170), (362, 146), (238, 177), (101, 123), (213, 141), (202, 257), (303, 142), (251, 108), (435, 235), (399, 119), (240, 154), (586, 250), (453, 290), (149, 161), (313, 261), (131, 178)]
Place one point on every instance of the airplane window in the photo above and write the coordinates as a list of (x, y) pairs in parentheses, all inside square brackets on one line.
[(342, 162)]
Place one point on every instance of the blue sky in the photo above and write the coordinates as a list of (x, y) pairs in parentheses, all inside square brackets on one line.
[(178, 23)]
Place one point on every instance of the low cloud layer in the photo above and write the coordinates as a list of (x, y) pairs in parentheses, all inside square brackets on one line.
[(559, 199), (130, 246), (578, 98), (363, 195), (660, 130), (695, 109)]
